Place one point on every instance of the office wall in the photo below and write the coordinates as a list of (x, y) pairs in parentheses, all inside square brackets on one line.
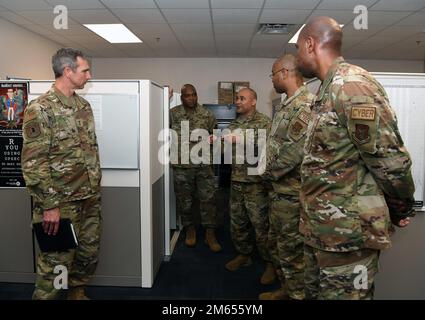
[(204, 73), (24, 54)]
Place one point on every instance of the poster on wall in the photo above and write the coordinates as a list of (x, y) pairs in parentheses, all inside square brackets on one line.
[(13, 101)]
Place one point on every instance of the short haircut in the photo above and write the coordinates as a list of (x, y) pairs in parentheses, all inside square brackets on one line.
[(253, 93), (66, 57), (187, 86)]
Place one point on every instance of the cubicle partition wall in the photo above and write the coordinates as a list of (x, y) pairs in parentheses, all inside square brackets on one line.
[(129, 118)]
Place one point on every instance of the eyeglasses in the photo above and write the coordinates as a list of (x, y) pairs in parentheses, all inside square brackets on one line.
[(271, 75)]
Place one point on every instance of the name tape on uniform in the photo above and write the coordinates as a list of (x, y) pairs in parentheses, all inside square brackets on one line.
[(363, 113)]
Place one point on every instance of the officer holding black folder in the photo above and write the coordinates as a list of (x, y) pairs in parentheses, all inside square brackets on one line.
[(60, 164)]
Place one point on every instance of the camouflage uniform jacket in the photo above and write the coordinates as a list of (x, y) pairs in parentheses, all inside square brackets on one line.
[(239, 126), (199, 118), (354, 154), (60, 156), (286, 140)]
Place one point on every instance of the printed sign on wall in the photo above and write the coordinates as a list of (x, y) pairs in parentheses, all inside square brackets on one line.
[(13, 101)]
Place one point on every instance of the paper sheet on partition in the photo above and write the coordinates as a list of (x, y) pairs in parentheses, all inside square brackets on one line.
[(96, 105)]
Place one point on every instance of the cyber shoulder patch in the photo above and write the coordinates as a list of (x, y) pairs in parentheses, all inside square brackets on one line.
[(362, 133), (32, 130), (363, 113), (304, 117)]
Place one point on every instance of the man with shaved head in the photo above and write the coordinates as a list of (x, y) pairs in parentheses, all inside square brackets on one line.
[(356, 172), (248, 195), (284, 157), (192, 178)]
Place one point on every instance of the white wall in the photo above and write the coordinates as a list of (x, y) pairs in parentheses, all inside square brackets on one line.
[(204, 73), (24, 54), (409, 66)]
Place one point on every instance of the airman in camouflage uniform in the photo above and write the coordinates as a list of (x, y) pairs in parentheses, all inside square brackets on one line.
[(60, 164), (356, 173), (248, 195), (191, 178), (284, 157)]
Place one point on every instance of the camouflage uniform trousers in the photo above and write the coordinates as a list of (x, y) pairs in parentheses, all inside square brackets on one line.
[(80, 262), (340, 275), (188, 182), (249, 210), (286, 243)]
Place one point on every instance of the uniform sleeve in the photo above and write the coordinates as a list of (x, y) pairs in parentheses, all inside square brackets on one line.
[(372, 126), (212, 123), (35, 157), (286, 156)]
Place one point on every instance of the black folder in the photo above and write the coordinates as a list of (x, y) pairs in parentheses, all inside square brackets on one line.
[(64, 240)]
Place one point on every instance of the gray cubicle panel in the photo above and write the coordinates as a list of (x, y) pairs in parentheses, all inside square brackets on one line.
[(16, 246)]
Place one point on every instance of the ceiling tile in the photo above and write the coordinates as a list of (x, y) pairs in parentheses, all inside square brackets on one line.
[(349, 30), (397, 30), (25, 5), (12, 17), (206, 43), (45, 17), (270, 40), (139, 15), (229, 39), (201, 28), (375, 43), (130, 4), (284, 16), (72, 44), (153, 33), (416, 19), (236, 4), (183, 4), (350, 41), (77, 4), (235, 29), (93, 16), (193, 31), (386, 18), (163, 44), (397, 5), (41, 30), (73, 30), (344, 5), (235, 15), (187, 15), (291, 4), (341, 16)]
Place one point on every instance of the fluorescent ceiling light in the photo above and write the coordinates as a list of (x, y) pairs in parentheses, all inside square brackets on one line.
[(114, 33), (295, 37)]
